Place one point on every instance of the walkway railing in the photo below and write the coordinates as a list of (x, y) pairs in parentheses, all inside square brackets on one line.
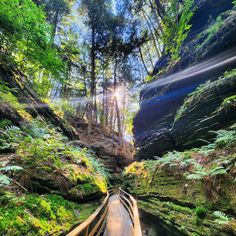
[(95, 224), (130, 205)]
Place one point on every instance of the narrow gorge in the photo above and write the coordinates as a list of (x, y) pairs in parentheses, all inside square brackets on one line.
[(118, 117)]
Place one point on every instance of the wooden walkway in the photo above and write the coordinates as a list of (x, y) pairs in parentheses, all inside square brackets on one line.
[(118, 220)]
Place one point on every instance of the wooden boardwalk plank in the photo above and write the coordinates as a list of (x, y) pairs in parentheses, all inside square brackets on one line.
[(118, 220)]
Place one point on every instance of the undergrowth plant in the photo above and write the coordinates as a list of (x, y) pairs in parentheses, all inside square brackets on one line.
[(221, 217), (4, 179), (176, 26), (7, 96), (199, 93)]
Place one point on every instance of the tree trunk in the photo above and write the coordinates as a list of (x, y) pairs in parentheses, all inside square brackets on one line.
[(54, 30), (117, 106), (152, 34), (142, 59), (92, 84)]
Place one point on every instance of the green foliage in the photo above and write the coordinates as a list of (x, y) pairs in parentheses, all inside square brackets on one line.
[(10, 168), (228, 103), (148, 78), (194, 96), (201, 212), (63, 108), (198, 94), (176, 31), (211, 31), (44, 150), (179, 160), (229, 74), (225, 138), (39, 215), (4, 123), (199, 172), (4, 179), (10, 137), (25, 37), (221, 217), (6, 96)]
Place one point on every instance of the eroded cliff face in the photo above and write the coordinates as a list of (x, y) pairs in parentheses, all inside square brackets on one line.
[(186, 128), (192, 192), (205, 56)]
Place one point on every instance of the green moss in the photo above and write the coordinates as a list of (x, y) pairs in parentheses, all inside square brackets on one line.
[(198, 94), (167, 191), (40, 215), (212, 30), (84, 190), (201, 212), (7, 96)]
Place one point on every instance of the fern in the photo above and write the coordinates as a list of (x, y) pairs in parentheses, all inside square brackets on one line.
[(225, 138), (222, 218), (11, 168), (219, 170), (4, 180), (195, 176)]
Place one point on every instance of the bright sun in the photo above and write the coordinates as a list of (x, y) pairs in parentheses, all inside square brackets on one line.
[(117, 94)]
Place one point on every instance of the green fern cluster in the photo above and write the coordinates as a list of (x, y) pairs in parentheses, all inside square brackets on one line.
[(225, 138), (7, 96), (221, 217), (4, 179), (10, 136), (186, 163), (43, 149)]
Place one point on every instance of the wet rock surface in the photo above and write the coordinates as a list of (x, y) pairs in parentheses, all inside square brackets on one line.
[(206, 59)]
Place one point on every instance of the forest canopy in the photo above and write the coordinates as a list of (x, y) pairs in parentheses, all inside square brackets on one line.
[(88, 54)]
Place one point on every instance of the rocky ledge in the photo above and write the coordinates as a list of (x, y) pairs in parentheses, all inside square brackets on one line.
[(158, 126)]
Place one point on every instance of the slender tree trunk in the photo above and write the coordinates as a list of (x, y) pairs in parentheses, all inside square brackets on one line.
[(142, 59), (107, 99), (92, 84), (152, 35), (111, 113), (54, 30), (160, 9), (117, 105)]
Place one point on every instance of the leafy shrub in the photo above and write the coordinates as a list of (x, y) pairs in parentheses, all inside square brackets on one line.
[(176, 31), (10, 137)]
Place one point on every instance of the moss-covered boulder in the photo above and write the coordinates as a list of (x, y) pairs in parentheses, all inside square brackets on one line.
[(32, 214), (52, 165)]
